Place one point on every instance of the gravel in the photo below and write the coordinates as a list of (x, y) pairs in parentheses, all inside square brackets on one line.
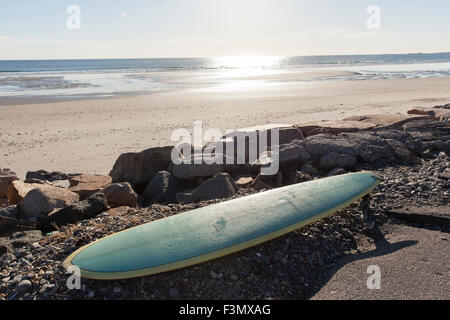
[(291, 267)]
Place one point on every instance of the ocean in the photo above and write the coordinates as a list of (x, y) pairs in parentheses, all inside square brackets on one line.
[(111, 77)]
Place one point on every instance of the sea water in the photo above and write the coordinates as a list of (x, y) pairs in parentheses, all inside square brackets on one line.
[(73, 78)]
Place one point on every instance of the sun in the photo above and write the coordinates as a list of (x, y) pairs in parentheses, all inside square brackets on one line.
[(247, 61)]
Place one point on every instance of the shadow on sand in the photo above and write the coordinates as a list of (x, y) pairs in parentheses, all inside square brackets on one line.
[(383, 247)]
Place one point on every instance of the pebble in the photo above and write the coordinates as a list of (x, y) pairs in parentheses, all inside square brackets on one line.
[(174, 293), (23, 286)]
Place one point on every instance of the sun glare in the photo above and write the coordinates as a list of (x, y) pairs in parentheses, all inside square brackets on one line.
[(247, 61)]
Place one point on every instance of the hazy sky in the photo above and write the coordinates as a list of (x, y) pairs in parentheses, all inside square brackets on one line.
[(31, 29)]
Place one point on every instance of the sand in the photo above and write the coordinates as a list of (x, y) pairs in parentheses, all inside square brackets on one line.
[(87, 135)]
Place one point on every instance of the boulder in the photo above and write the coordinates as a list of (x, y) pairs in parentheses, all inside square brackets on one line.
[(389, 121), (139, 168), (8, 219), (76, 212), (440, 114), (336, 172), (46, 175), (357, 144), (286, 133), (253, 139), (244, 181), (7, 225), (219, 187), (302, 177), (120, 194), (6, 177), (38, 181), (185, 196), (61, 183), (288, 154), (55, 183), (445, 106), (321, 144), (11, 222), (309, 169), (86, 185), (272, 180), (203, 167), (401, 152), (334, 127), (18, 190), (333, 160), (428, 130), (43, 199), (10, 212), (162, 188), (260, 185)]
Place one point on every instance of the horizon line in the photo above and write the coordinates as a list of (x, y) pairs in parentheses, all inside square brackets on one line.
[(250, 55)]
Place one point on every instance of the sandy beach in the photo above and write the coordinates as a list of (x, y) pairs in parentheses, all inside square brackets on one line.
[(87, 135)]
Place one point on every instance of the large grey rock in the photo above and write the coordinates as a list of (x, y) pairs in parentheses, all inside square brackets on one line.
[(8, 219), (401, 152), (139, 168), (10, 212), (288, 154), (286, 133), (219, 187), (42, 200), (333, 127), (333, 160), (243, 145), (358, 144), (7, 224), (321, 144), (388, 121), (203, 167), (302, 177), (162, 188), (309, 169), (401, 136), (436, 113), (76, 212), (120, 194), (6, 177)]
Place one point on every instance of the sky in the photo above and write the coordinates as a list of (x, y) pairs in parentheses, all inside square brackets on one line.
[(31, 29)]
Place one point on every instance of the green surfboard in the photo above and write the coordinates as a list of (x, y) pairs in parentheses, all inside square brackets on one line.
[(214, 231)]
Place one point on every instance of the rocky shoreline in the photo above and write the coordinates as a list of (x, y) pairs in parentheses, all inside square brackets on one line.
[(50, 215)]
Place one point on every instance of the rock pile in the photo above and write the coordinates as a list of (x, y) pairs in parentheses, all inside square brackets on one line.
[(305, 152)]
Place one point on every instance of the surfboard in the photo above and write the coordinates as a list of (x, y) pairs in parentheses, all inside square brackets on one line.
[(217, 230)]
